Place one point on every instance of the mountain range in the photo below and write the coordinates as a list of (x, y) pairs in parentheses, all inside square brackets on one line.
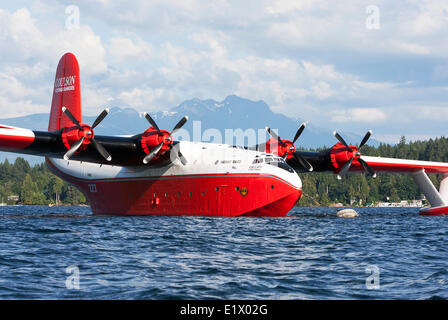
[(232, 113)]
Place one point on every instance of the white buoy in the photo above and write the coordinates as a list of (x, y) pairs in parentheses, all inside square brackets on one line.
[(347, 213)]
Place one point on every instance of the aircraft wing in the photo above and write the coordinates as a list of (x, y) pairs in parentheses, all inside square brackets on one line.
[(123, 150), (340, 161), (393, 165), (330, 161)]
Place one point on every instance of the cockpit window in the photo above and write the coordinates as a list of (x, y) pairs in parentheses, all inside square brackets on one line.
[(283, 165)]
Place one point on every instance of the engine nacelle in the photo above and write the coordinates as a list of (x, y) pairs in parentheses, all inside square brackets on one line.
[(151, 138), (275, 147), (340, 155), (72, 134)]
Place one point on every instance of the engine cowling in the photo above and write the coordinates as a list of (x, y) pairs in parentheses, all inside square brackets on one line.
[(71, 135), (345, 157), (156, 142), (78, 137), (151, 138), (285, 148), (340, 155), (273, 146)]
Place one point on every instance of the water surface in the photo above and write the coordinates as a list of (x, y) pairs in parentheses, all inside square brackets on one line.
[(311, 254)]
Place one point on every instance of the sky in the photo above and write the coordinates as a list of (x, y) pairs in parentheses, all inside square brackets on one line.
[(343, 65)]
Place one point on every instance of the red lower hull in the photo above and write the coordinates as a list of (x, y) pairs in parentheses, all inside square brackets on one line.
[(225, 195), (437, 211)]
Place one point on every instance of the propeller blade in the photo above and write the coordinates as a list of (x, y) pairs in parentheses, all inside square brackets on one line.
[(71, 117), (303, 162), (299, 132), (73, 149), (275, 136), (182, 158), (366, 137), (100, 117), (152, 154), (345, 168), (101, 150), (179, 125), (367, 168), (152, 122), (341, 140)]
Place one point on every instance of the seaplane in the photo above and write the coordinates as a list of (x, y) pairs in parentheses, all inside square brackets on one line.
[(150, 173)]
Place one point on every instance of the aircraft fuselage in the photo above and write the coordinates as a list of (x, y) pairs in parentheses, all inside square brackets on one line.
[(218, 180)]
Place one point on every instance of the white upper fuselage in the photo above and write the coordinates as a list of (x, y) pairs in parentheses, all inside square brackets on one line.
[(202, 158)]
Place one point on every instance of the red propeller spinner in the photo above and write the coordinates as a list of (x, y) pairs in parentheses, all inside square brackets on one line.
[(156, 142), (345, 154), (77, 138), (285, 148)]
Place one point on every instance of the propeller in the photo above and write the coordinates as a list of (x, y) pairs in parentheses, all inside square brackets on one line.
[(88, 134), (356, 155), (169, 140), (291, 148)]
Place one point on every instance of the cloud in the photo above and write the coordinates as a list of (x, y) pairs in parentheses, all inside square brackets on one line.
[(368, 115), (288, 6), (21, 38), (431, 18), (143, 99), (18, 34), (31, 54), (17, 99), (124, 49), (310, 59), (434, 113)]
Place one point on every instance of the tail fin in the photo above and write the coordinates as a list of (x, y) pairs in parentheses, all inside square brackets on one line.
[(66, 93)]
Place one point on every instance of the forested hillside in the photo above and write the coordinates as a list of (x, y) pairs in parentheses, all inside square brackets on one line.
[(20, 183)]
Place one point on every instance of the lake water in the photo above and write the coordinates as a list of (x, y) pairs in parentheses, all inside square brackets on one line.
[(385, 253)]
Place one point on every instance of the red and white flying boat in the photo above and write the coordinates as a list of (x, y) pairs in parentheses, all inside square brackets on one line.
[(151, 174)]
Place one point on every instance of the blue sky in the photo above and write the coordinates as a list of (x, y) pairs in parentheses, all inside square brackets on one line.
[(344, 65)]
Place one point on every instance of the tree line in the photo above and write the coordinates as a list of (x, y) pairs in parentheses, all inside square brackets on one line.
[(21, 183)]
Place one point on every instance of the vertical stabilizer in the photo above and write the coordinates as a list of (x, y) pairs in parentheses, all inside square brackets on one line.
[(66, 93)]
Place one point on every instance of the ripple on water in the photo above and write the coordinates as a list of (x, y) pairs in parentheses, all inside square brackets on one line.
[(311, 254)]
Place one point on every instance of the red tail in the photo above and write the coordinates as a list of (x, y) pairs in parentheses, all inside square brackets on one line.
[(66, 93)]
